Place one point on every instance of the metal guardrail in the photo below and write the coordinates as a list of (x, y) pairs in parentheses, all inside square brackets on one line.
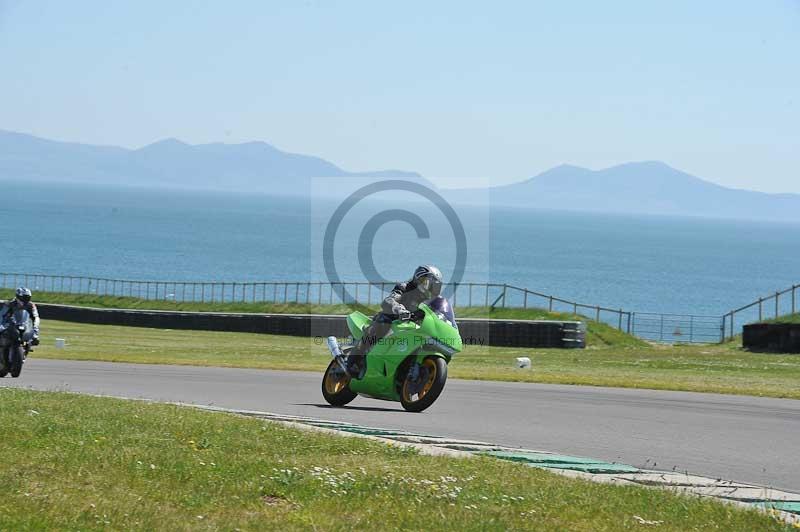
[(672, 328), (774, 306), (516, 297), (492, 295)]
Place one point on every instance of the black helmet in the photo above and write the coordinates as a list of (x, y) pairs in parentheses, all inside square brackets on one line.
[(429, 280), (24, 295)]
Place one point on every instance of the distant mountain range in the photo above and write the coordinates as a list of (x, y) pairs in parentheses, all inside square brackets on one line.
[(252, 166), (649, 187), (640, 187)]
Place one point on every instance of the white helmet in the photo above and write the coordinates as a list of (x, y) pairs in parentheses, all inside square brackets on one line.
[(24, 295), (429, 280)]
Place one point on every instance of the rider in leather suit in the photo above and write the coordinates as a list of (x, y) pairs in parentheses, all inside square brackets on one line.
[(402, 301), (22, 299)]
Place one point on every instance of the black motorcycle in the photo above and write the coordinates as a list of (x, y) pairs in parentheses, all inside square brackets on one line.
[(16, 334)]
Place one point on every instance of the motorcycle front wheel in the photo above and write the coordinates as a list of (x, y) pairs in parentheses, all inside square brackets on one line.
[(417, 395), (15, 357), (336, 386)]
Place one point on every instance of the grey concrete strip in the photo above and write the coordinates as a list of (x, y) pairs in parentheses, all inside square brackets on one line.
[(788, 517), (310, 425), (675, 479), (748, 439), (745, 494)]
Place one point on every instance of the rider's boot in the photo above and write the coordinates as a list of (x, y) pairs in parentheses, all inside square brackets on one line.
[(356, 360)]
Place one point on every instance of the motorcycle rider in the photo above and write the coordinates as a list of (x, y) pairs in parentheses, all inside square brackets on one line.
[(22, 300), (401, 303)]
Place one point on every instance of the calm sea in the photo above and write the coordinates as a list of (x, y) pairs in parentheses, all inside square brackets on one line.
[(639, 263)]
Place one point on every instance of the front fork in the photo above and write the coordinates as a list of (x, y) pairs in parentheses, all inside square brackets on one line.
[(337, 353), (417, 374), (413, 371)]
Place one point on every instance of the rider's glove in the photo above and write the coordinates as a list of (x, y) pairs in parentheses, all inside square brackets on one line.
[(35, 340), (404, 315), (417, 315)]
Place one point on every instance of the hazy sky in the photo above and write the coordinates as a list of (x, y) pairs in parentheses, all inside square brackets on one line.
[(459, 91)]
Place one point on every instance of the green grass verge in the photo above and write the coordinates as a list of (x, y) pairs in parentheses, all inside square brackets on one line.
[(598, 333), (791, 318), (722, 368), (140, 466)]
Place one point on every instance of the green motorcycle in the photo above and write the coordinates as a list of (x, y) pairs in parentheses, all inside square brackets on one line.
[(408, 365)]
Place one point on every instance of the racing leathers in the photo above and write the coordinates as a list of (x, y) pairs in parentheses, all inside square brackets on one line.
[(400, 304), (7, 310)]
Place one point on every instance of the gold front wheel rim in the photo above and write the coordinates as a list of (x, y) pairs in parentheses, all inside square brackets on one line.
[(335, 385), (432, 373)]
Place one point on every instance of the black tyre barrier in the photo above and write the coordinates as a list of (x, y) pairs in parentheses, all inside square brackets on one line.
[(493, 332), (772, 337)]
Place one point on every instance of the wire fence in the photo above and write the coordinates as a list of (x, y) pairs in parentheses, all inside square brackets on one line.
[(669, 328), (677, 328)]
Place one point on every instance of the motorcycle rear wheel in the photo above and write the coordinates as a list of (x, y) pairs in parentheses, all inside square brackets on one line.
[(336, 386), (434, 383), (15, 357)]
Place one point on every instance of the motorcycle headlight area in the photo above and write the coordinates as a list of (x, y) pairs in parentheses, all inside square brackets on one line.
[(441, 347)]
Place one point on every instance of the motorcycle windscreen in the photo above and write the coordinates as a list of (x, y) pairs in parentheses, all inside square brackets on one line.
[(21, 317), (442, 307)]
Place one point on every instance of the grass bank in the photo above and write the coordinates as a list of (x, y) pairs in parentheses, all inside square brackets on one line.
[(791, 318), (598, 333), (139, 466), (722, 368)]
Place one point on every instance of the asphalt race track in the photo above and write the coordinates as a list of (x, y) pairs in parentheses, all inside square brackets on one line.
[(745, 439)]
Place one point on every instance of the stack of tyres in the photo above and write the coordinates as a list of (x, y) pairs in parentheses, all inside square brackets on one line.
[(574, 335)]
